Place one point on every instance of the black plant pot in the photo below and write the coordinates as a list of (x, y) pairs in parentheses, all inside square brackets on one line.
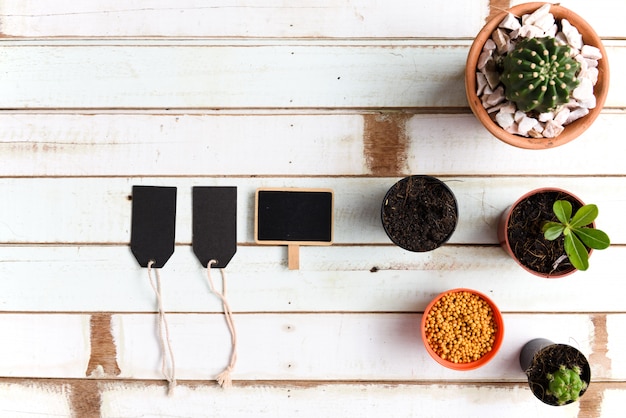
[(419, 213), (541, 356)]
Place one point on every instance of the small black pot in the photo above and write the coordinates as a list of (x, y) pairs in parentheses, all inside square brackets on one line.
[(419, 213), (541, 356)]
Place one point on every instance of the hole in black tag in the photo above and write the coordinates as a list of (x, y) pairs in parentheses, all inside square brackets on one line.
[(214, 224), (153, 225)]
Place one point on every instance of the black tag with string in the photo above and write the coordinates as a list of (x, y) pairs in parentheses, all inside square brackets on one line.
[(153, 224), (214, 224)]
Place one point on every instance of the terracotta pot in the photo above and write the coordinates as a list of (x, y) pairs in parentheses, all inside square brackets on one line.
[(498, 337), (540, 356), (572, 130), (503, 236), (425, 202)]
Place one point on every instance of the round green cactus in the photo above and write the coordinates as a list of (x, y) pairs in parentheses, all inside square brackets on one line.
[(565, 384), (539, 74)]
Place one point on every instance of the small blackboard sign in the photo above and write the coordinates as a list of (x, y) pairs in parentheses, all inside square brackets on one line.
[(294, 217)]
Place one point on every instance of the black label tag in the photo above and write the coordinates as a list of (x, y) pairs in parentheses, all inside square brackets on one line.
[(214, 224), (153, 224)]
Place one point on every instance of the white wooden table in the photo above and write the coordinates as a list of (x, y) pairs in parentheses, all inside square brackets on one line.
[(96, 97)]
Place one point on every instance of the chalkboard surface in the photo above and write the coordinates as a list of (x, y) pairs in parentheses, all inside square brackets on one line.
[(214, 225), (294, 216), (153, 224)]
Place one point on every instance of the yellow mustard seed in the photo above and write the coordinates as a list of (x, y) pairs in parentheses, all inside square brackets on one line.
[(460, 327)]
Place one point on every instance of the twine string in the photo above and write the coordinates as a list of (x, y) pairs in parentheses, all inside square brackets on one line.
[(164, 333), (224, 378)]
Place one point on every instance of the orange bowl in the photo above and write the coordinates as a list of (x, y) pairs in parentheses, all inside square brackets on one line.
[(499, 335)]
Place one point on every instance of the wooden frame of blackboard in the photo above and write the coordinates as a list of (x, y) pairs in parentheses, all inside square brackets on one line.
[(293, 245)]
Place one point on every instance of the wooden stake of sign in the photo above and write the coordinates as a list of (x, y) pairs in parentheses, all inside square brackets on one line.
[(293, 217)]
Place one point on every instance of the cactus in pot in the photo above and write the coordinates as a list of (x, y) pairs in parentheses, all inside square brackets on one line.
[(565, 384), (539, 74)]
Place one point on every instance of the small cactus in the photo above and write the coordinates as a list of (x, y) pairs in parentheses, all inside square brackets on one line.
[(539, 74), (565, 384)]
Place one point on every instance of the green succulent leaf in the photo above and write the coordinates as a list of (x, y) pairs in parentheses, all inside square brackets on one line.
[(576, 252), (565, 384), (584, 216), (593, 238), (552, 230), (563, 210)]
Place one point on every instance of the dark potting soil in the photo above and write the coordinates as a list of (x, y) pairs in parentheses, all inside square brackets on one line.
[(548, 360), (525, 236), (419, 213)]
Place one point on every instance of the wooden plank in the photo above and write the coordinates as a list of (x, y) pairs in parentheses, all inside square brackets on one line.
[(170, 75), (111, 398), (131, 144), (332, 400), (253, 18), (316, 347), (330, 279), (617, 340), (44, 345), (33, 399), (325, 347), (193, 18), (97, 210)]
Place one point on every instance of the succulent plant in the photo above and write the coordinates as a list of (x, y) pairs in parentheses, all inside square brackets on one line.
[(578, 237), (565, 384), (539, 74)]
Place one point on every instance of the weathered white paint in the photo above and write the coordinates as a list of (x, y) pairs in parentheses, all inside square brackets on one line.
[(158, 75), (201, 144), (21, 400), (320, 347), (44, 345), (171, 75), (612, 403), (100, 207), (330, 279), (251, 18), (99, 96), (616, 326), (349, 400)]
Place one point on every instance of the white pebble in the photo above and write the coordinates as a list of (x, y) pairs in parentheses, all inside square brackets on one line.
[(537, 15), (483, 59), (577, 114), (526, 124), (591, 74), (490, 45), (496, 97), (545, 116), (562, 116), (530, 31), (510, 22), (590, 52), (505, 120), (552, 129), (508, 107), (574, 38), (584, 91), (501, 39), (481, 82)]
